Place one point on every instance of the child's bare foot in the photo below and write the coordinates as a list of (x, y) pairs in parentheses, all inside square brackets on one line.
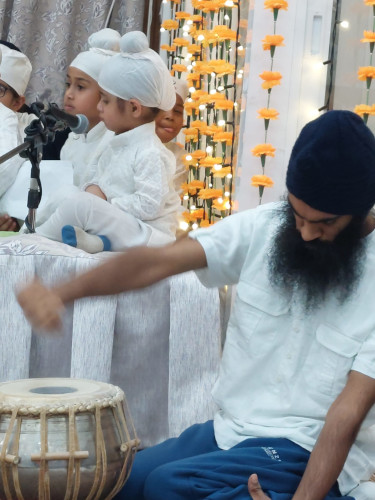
[(7, 223)]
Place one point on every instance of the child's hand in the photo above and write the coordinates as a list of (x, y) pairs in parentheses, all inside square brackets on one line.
[(42, 306), (7, 223), (94, 189)]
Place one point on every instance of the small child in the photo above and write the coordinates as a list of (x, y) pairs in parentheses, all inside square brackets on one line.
[(15, 71), (82, 96), (133, 200), (168, 126)]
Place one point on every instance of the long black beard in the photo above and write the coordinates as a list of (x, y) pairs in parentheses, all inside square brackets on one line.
[(317, 268)]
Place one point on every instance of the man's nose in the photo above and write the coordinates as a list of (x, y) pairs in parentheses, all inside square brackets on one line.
[(309, 231)]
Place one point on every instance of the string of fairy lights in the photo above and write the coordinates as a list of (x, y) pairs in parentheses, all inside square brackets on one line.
[(204, 47)]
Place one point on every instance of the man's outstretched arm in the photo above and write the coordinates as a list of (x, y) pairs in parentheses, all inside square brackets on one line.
[(136, 268)]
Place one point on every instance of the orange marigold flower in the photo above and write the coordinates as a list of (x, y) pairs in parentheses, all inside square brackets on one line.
[(268, 113), (271, 78), (366, 72), (210, 161), (224, 104), (193, 77), (169, 48), (212, 129), (198, 214), (210, 193), (198, 94), (180, 68), (192, 187), (364, 109), (191, 106), (191, 134), (194, 48), (197, 18), (272, 41), (224, 33), (223, 172), (369, 36), (221, 205), (183, 15), (170, 24), (198, 154), (208, 5), (211, 98), (263, 149), (205, 223), (223, 137), (221, 67), (188, 217), (276, 4), (198, 124), (369, 2), (181, 42), (261, 180)]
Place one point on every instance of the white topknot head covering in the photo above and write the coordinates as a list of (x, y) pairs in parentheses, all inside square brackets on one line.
[(102, 45), (181, 88), (15, 69), (139, 73)]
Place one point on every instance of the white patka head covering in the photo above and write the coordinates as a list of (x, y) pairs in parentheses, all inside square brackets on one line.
[(102, 45), (15, 69), (181, 88), (138, 72)]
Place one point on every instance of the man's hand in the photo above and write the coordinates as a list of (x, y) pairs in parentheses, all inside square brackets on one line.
[(255, 490), (42, 306), (7, 223), (94, 189)]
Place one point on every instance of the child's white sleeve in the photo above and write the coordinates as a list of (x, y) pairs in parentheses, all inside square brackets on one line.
[(10, 138), (152, 181)]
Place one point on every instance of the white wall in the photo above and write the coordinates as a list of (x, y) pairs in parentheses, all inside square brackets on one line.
[(301, 93)]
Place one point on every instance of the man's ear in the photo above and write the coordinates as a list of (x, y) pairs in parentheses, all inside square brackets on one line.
[(18, 102), (136, 107)]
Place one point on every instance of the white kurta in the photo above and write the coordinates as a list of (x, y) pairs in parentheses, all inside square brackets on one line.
[(282, 368), (181, 174), (135, 173), (11, 135), (84, 151)]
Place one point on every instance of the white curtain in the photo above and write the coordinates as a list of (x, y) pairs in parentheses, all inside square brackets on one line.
[(52, 32)]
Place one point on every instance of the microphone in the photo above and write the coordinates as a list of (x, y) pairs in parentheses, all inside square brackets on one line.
[(77, 123)]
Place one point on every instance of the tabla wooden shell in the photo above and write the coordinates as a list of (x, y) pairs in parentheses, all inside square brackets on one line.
[(63, 438)]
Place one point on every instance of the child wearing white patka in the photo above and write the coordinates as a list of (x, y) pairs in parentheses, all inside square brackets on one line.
[(82, 96), (132, 201), (15, 71)]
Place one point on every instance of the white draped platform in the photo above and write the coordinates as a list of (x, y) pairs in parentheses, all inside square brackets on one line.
[(161, 345)]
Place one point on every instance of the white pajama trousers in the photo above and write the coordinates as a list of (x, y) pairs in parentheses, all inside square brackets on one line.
[(96, 216)]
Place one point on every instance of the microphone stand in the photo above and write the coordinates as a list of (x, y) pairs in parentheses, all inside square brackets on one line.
[(38, 133)]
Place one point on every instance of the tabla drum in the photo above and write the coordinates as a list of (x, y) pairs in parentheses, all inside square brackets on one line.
[(64, 439)]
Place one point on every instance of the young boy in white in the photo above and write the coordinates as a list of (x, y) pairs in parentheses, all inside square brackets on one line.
[(168, 126), (82, 96), (15, 71), (132, 201)]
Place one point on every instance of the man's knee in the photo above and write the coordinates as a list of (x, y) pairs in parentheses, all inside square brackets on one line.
[(162, 481)]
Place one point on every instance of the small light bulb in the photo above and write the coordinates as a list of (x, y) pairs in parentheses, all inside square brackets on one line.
[(240, 48), (344, 24), (220, 88), (186, 196), (210, 185), (189, 67), (189, 157), (239, 75), (189, 22), (200, 37), (194, 63), (213, 74), (217, 166), (193, 207), (227, 193), (202, 107), (184, 225), (185, 27), (209, 149), (229, 3), (213, 91), (235, 104), (192, 90), (226, 17), (229, 176), (220, 200), (162, 30), (185, 33), (221, 123), (190, 99), (227, 205), (195, 225)]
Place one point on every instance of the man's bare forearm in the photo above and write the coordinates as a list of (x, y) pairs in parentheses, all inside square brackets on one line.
[(136, 268), (343, 422)]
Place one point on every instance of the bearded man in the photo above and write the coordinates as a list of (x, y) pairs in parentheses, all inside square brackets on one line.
[(297, 381)]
